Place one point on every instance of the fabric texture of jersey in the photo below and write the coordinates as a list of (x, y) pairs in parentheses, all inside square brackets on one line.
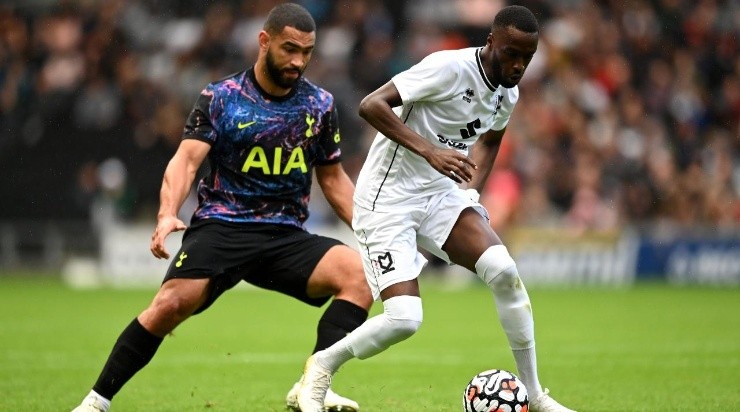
[(263, 149), (448, 100)]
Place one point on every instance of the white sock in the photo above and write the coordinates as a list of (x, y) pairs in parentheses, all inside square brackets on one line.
[(498, 270), (96, 396), (526, 364), (337, 354), (401, 318)]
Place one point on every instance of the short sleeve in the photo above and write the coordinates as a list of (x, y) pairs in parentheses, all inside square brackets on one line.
[(432, 79), (199, 124), (329, 151)]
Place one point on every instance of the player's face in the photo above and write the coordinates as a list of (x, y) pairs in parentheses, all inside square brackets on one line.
[(288, 54), (512, 50)]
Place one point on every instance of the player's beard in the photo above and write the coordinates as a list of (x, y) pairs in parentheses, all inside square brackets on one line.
[(500, 77), (278, 75)]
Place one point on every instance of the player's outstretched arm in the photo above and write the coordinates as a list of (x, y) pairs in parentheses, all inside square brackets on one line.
[(178, 177), (376, 109), (338, 189)]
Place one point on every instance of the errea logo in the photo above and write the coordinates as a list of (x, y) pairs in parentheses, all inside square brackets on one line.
[(469, 93)]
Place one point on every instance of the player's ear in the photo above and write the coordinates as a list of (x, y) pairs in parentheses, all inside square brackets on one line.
[(264, 40)]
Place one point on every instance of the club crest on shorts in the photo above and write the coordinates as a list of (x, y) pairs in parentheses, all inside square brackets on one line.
[(385, 263)]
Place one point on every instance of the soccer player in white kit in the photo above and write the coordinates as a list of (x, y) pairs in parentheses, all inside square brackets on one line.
[(440, 124)]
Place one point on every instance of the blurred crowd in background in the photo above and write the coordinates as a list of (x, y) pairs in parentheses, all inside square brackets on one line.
[(628, 116)]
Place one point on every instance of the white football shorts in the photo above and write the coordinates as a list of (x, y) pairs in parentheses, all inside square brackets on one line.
[(388, 241)]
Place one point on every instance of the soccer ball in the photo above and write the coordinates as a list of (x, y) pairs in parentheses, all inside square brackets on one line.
[(495, 390)]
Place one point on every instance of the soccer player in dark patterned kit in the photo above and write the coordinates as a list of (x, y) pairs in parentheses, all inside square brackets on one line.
[(264, 131), (429, 118)]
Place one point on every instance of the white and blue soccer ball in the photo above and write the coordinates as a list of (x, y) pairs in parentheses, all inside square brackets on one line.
[(495, 390)]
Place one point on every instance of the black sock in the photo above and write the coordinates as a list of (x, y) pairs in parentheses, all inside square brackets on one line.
[(339, 319), (133, 350)]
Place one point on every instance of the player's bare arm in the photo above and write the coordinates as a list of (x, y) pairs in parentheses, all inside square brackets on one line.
[(178, 177), (376, 109), (484, 153), (338, 189)]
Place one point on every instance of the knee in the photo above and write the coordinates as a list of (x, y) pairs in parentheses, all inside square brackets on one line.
[(507, 279), (404, 315), (170, 307), (356, 282), (497, 268), (175, 301), (353, 286), (403, 328)]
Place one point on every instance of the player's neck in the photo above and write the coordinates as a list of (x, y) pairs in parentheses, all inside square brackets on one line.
[(266, 83), (485, 58)]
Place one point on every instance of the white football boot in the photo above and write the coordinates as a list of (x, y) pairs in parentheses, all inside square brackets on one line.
[(332, 403), (314, 386), (545, 403), (92, 404)]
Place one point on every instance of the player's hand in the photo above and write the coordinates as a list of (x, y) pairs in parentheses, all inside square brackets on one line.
[(165, 226), (452, 164)]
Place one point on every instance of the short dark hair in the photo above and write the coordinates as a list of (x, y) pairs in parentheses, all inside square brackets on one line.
[(289, 14), (518, 16)]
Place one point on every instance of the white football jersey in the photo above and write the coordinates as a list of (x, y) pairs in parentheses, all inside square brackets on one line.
[(448, 100)]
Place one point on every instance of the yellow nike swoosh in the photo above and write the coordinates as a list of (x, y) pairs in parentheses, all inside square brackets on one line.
[(243, 125)]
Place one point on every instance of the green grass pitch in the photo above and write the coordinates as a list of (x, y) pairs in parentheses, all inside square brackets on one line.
[(646, 348)]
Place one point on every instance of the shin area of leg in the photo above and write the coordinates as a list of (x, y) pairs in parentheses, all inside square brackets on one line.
[(496, 267)]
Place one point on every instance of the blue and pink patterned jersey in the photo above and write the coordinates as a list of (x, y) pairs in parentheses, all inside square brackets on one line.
[(263, 149)]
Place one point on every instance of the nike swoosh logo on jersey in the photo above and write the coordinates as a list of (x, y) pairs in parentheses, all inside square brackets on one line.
[(244, 125)]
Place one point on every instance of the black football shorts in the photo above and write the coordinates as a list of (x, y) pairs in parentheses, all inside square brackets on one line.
[(274, 257)]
